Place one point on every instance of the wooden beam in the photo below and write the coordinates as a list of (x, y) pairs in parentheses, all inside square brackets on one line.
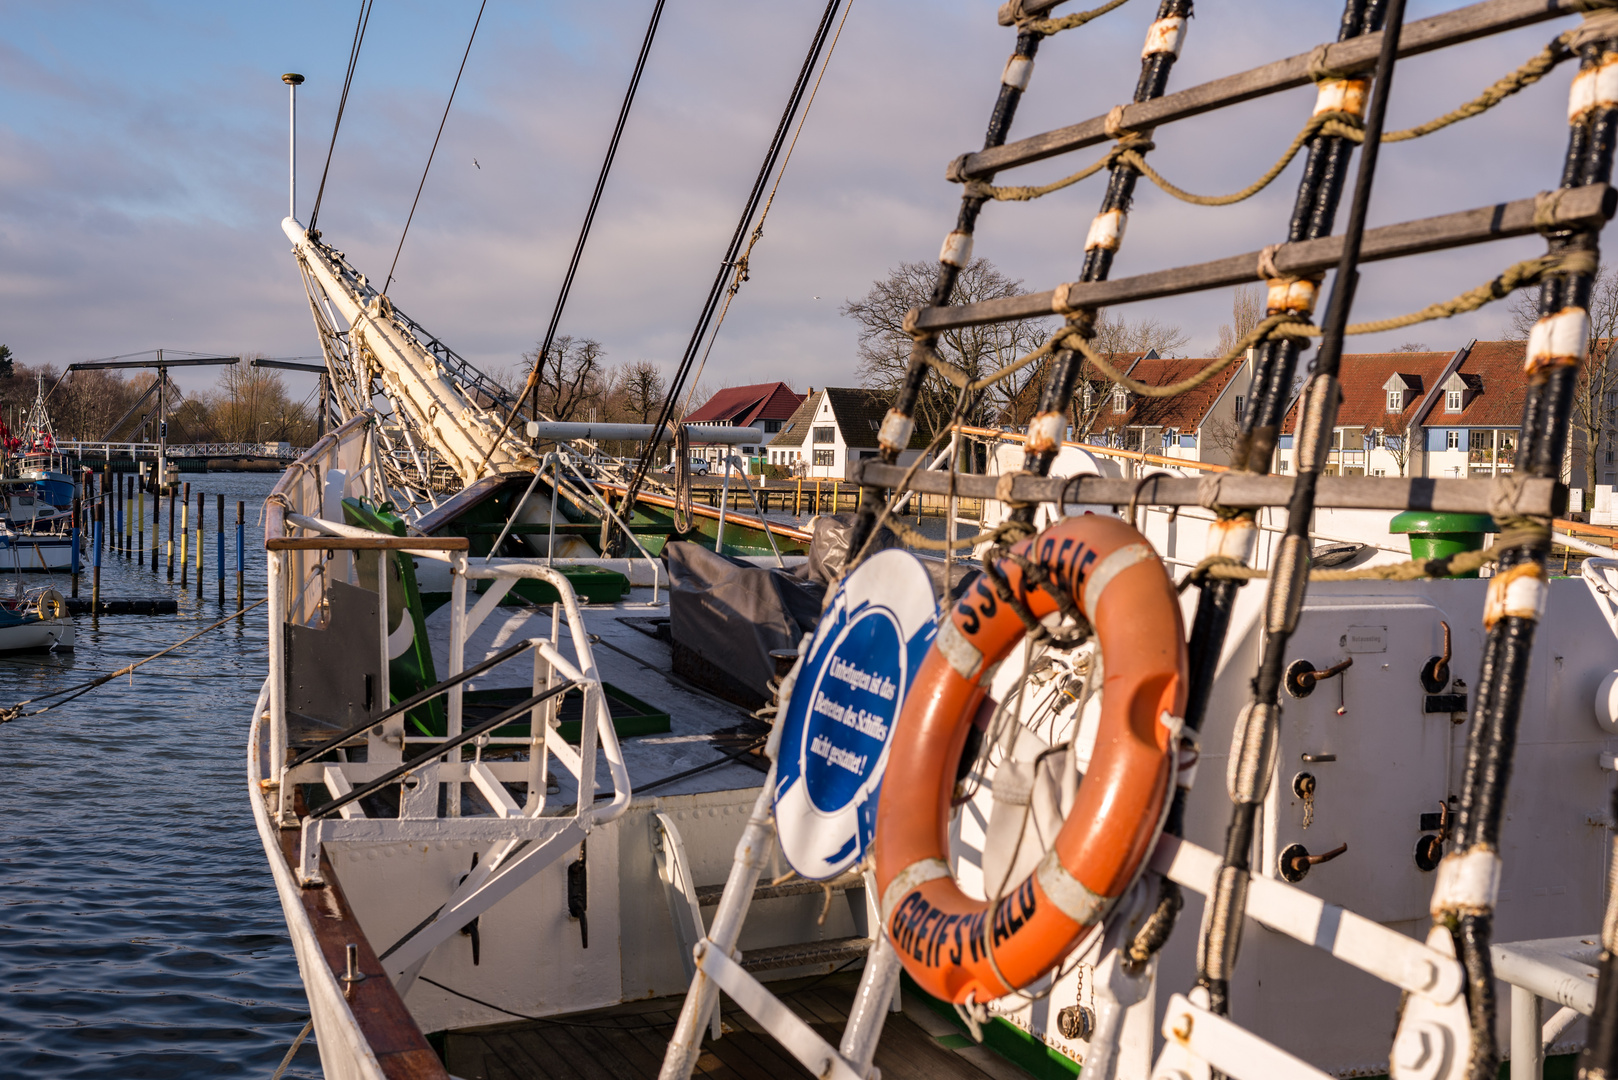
[(1585, 207), (1027, 9), (1542, 498), (1354, 55), (367, 543)]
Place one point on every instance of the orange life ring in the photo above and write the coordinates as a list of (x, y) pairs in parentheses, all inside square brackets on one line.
[(944, 937)]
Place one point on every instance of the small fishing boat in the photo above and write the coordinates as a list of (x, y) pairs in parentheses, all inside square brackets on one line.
[(37, 621)]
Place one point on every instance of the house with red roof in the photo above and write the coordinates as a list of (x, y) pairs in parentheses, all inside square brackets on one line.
[(836, 427), (766, 406), (1199, 425), (1432, 414), (1379, 429)]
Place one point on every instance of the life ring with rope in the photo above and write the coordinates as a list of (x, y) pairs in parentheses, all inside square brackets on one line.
[(952, 945), (51, 605)]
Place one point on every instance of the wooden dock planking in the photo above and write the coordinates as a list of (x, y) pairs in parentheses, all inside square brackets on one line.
[(627, 1043)]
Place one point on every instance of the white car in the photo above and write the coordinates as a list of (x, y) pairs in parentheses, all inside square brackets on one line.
[(699, 466)]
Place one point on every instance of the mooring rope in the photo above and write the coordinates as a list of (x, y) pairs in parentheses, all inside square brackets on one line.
[(15, 712)]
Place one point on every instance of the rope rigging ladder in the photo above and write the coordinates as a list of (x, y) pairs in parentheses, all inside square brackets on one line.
[(1353, 78)]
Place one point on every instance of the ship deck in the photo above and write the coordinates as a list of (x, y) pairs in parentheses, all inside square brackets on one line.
[(628, 1042), (703, 727)]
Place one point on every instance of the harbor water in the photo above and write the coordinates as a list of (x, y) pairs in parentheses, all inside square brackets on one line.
[(140, 935)]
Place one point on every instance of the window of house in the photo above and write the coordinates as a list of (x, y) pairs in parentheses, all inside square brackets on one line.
[(1281, 466), (1453, 440), (825, 434), (1120, 400), (1379, 472), (1452, 401), (1337, 438), (1612, 399), (1609, 456), (825, 457), (1089, 398), (772, 426), (1241, 408), (1396, 400), (1380, 438)]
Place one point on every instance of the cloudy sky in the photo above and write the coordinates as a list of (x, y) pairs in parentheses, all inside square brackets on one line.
[(143, 168)]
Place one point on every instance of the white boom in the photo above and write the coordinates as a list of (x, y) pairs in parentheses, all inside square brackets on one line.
[(464, 433)]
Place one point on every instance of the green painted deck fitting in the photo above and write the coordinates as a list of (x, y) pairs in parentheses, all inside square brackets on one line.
[(630, 715), (1004, 1038)]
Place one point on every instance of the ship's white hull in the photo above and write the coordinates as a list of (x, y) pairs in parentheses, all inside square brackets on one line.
[(345, 1053)]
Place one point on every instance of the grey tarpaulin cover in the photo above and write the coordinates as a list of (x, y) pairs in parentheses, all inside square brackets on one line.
[(726, 615), (828, 550)]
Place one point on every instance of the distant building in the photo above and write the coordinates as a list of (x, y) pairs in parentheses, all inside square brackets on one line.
[(835, 427), (766, 407), (1430, 414), (1199, 425)]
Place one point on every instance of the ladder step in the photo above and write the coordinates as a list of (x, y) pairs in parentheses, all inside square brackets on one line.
[(709, 895), (830, 951)]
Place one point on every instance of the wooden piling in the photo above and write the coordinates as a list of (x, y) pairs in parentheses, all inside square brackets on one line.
[(241, 549), (219, 548), (171, 534), (185, 531), (77, 522), (202, 504)]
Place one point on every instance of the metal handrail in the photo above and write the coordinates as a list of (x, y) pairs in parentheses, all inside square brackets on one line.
[(438, 750), (413, 700)]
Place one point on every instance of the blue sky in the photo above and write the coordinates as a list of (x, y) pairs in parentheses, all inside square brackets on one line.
[(143, 168)]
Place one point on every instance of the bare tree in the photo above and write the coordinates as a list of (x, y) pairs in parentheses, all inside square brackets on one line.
[(1246, 312), (1221, 433), (1595, 396), (640, 390), (884, 347), (1116, 334), (1413, 346), (572, 375), (1396, 436)]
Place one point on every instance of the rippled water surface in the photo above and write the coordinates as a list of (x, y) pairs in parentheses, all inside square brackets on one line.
[(139, 931)]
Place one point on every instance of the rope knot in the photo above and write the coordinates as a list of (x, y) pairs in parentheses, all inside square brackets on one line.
[(1320, 68)]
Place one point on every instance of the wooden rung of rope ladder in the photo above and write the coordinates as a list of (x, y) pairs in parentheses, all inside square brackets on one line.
[(1354, 56), (1590, 206), (1530, 496)]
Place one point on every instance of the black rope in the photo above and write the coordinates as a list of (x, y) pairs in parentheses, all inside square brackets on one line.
[(654, 1026), (595, 201), (717, 290), (434, 150), (438, 750), (360, 24)]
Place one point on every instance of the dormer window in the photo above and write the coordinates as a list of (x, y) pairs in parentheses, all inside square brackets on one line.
[(1396, 401), (1452, 401), (1120, 400)]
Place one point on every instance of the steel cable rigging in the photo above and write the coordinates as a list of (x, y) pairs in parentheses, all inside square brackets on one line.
[(732, 253), (442, 120), (360, 24), (584, 233)]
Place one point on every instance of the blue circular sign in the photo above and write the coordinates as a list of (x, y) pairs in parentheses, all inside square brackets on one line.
[(838, 723)]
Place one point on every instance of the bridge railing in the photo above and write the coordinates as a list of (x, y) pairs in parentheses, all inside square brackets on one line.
[(282, 451)]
